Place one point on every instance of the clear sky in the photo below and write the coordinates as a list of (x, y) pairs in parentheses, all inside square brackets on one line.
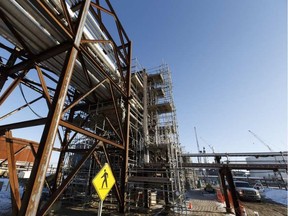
[(229, 67)]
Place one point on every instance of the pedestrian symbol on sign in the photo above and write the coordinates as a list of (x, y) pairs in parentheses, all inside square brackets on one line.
[(105, 176), (104, 181)]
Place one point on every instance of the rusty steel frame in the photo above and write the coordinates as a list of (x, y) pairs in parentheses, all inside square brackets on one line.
[(74, 47), (14, 184)]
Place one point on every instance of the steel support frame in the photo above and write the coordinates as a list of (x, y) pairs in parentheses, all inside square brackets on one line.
[(33, 193), (226, 171), (56, 105), (13, 178)]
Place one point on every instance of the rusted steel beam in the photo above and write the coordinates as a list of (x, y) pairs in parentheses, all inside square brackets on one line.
[(83, 96), (112, 127), (11, 61), (13, 178), (67, 180), (34, 188), (53, 51), (116, 112), (35, 155), (20, 108), (115, 47), (24, 142), (90, 134), (102, 9), (97, 159), (44, 9), (117, 190), (64, 146), (44, 86), (121, 32), (225, 190), (232, 188), (67, 16), (23, 124), (99, 11), (11, 88), (17, 152)]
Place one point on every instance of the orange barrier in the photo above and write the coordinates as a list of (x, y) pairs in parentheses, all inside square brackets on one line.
[(241, 210), (190, 205), (220, 197)]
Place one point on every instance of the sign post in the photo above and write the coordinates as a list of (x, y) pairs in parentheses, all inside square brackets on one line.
[(103, 183)]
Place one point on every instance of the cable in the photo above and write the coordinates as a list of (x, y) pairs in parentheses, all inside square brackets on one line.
[(21, 90)]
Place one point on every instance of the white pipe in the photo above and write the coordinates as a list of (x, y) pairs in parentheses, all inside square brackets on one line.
[(33, 28)]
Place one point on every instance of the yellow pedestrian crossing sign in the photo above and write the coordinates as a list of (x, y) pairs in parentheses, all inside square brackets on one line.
[(104, 181)]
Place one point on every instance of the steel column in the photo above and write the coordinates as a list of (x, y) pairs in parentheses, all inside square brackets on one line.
[(224, 187), (32, 195), (230, 181), (67, 180), (13, 178)]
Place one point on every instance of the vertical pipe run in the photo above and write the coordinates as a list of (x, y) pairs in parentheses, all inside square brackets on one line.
[(124, 176), (34, 188), (145, 118)]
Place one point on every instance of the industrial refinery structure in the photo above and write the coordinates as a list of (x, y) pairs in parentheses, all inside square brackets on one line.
[(90, 104)]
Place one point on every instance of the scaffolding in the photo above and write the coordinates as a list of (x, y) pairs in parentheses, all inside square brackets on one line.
[(158, 175), (71, 61), (90, 105)]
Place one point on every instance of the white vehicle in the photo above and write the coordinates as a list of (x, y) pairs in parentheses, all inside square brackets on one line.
[(246, 192)]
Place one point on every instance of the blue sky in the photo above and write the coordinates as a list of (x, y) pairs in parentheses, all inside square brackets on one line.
[(229, 67)]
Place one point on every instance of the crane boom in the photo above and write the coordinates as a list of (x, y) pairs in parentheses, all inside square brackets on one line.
[(198, 148), (261, 140)]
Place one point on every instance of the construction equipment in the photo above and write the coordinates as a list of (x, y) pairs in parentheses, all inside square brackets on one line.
[(210, 146), (198, 149), (270, 149)]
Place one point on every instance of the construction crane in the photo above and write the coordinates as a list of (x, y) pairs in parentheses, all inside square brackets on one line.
[(210, 146), (270, 149), (198, 148)]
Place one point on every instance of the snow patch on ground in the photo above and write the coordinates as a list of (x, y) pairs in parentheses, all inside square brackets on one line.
[(5, 194), (277, 195)]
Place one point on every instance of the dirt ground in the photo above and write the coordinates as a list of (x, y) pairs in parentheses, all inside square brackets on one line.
[(265, 208)]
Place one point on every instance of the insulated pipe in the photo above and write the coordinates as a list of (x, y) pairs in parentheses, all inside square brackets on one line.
[(33, 32), (29, 28), (93, 31)]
